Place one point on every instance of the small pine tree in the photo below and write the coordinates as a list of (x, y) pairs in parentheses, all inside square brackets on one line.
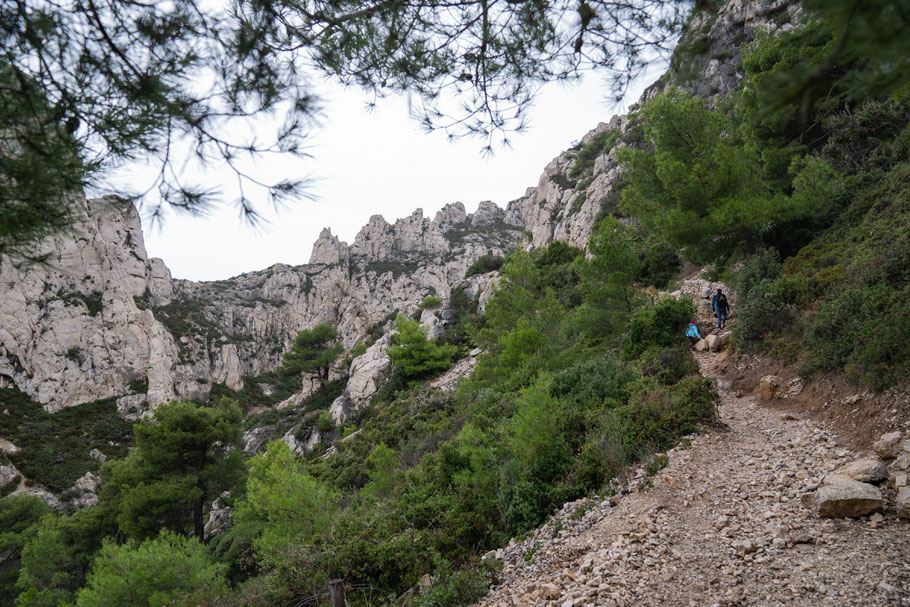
[(414, 354), (314, 350)]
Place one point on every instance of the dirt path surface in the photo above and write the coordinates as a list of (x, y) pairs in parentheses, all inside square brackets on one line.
[(722, 524)]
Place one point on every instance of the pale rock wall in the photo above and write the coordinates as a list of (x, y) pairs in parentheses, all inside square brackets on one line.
[(100, 316)]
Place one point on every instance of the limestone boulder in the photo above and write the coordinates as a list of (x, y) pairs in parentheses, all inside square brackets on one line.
[(368, 372), (868, 470), (7, 475), (84, 491), (309, 385), (841, 496), (219, 518), (888, 446), (340, 409), (718, 341)]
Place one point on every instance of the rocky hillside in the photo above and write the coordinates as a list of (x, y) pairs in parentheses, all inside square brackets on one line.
[(750, 513), (99, 319)]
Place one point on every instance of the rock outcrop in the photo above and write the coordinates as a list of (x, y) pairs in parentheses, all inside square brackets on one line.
[(841, 496), (99, 319)]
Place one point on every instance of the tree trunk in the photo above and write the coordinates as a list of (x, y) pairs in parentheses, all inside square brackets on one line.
[(198, 527)]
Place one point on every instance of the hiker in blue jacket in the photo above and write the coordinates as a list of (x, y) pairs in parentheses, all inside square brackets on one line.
[(692, 333), (721, 307)]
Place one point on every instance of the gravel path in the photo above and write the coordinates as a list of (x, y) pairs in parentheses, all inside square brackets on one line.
[(722, 524)]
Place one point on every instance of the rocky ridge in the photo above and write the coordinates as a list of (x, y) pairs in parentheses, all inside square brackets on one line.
[(99, 318)]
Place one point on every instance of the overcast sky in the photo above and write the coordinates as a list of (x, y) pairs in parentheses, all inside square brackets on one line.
[(377, 162)]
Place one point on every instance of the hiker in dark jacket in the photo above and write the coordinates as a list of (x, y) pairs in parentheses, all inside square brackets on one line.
[(721, 307)]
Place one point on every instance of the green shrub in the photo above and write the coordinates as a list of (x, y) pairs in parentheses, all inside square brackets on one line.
[(17, 514), (660, 324), (659, 262), (758, 267), (430, 302), (592, 382), (667, 365), (485, 263), (657, 416), (865, 331), (768, 309), (169, 570), (325, 422), (414, 355)]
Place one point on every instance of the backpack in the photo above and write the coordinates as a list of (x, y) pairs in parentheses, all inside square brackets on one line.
[(722, 301)]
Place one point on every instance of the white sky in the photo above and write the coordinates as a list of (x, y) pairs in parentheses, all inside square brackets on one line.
[(376, 163)]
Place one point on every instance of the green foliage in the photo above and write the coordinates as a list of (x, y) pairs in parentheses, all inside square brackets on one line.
[(56, 559), (18, 514), (592, 382), (485, 263), (430, 302), (325, 423), (869, 43), (168, 570), (707, 184), (314, 351), (464, 319), (55, 447), (768, 310), (286, 504), (184, 458), (41, 163), (661, 324), (667, 365), (413, 354), (607, 279), (465, 586), (864, 330), (657, 416)]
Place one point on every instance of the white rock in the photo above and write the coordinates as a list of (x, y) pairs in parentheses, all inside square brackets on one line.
[(888, 446), (903, 502), (869, 470), (841, 496)]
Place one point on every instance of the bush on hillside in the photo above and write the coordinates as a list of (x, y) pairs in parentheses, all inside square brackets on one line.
[(485, 263), (768, 309), (866, 332), (414, 354), (660, 324), (430, 302)]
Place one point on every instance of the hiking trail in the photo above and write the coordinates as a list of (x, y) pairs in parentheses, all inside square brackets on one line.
[(722, 524)]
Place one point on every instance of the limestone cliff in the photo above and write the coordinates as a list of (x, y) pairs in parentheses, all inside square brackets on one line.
[(99, 319), (567, 199)]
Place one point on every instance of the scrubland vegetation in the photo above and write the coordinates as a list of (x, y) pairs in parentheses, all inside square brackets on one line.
[(802, 204)]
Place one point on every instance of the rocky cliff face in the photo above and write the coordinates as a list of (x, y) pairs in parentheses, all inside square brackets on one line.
[(100, 319), (70, 330), (564, 204)]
